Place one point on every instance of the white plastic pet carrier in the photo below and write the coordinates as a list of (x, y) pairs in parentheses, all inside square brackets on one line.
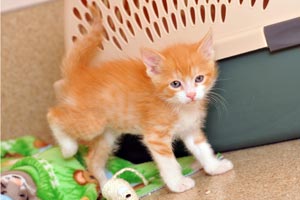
[(131, 24)]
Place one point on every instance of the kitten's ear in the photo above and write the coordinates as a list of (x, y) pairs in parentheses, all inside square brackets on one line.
[(206, 46), (152, 61)]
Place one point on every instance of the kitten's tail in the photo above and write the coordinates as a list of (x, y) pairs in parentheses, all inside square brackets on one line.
[(84, 48)]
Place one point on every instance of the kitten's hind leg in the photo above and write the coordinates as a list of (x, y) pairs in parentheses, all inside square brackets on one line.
[(99, 151), (201, 149), (69, 124), (68, 145), (170, 170)]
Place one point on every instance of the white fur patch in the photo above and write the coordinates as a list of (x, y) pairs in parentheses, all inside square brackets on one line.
[(181, 97), (189, 120), (67, 144), (200, 92)]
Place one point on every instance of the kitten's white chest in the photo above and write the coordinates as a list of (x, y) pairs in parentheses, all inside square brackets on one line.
[(189, 120)]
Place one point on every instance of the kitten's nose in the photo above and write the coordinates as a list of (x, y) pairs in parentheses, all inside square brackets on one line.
[(191, 95)]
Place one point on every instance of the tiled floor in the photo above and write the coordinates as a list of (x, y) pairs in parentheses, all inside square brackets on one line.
[(269, 172)]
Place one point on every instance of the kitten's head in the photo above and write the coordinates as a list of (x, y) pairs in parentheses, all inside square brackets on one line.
[(182, 73)]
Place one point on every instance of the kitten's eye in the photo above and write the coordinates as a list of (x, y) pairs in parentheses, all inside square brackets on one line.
[(175, 84), (199, 79)]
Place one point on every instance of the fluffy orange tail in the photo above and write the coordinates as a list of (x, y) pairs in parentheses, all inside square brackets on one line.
[(84, 48)]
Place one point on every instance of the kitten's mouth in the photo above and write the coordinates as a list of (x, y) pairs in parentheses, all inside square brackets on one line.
[(191, 101)]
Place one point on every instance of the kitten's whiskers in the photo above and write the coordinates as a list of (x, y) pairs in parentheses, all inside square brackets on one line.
[(218, 99)]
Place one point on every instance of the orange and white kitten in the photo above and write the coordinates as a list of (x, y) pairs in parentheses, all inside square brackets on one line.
[(163, 96)]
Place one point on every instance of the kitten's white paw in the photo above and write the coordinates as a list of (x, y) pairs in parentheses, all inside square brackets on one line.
[(219, 167), (185, 183), (69, 148), (68, 145)]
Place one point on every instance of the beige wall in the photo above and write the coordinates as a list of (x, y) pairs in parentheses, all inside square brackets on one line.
[(32, 49)]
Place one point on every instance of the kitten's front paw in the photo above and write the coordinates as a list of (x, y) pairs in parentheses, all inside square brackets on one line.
[(185, 183), (219, 167)]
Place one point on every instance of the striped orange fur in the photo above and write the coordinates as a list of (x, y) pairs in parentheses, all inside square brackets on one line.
[(98, 103)]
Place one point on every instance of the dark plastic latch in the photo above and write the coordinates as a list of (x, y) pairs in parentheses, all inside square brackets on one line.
[(283, 35)]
